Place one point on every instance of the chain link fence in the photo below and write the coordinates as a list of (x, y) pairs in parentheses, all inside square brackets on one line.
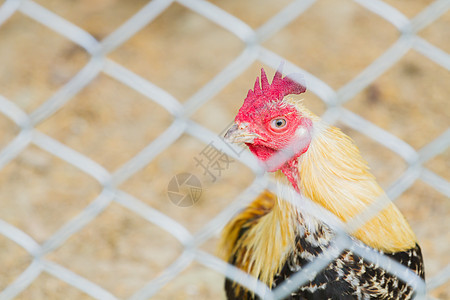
[(99, 63)]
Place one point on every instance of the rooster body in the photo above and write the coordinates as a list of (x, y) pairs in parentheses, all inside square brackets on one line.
[(272, 238)]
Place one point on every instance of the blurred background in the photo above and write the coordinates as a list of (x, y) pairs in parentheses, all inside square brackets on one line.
[(181, 51)]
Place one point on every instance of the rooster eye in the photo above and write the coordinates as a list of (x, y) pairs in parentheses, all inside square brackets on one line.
[(278, 124)]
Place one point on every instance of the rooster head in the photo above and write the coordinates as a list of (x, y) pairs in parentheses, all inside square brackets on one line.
[(269, 122)]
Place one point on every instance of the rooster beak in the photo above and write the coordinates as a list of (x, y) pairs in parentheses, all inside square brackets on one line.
[(240, 134)]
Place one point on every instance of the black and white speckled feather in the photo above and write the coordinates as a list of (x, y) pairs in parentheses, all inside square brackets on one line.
[(347, 277)]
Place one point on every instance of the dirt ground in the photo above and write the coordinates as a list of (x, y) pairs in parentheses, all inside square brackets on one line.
[(181, 51)]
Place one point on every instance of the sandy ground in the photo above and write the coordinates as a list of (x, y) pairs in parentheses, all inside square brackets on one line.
[(180, 52)]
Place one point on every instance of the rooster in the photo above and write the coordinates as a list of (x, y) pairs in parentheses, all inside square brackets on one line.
[(273, 238)]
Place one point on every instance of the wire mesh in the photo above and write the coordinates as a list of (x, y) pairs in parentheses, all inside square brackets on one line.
[(254, 51)]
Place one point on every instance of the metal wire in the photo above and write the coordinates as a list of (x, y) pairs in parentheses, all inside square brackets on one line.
[(253, 51)]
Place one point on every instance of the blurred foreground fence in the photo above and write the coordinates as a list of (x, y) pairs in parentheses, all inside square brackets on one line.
[(254, 51)]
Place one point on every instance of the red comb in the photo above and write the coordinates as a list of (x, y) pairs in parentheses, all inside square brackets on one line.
[(264, 92), (291, 84), (280, 87)]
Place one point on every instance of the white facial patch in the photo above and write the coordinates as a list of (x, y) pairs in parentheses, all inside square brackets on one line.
[(301, 131)]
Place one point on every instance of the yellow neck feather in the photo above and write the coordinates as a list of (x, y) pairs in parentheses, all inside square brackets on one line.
[(269, 242), (262, 250), (333, 174)]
